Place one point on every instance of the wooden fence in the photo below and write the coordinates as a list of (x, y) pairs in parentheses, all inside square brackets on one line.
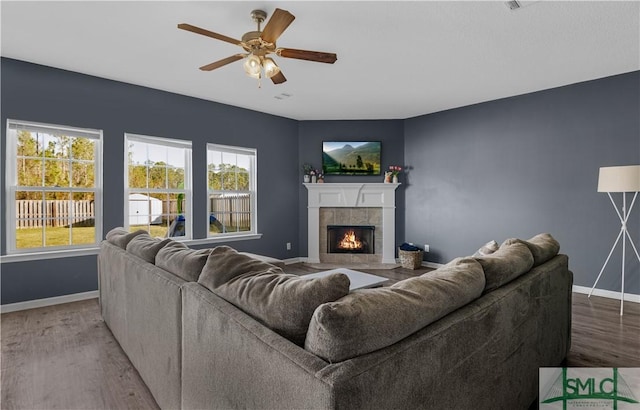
[(228, 211), (33, 213), (232, 211)]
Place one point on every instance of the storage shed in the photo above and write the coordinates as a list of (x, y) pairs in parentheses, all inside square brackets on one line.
[(143, 208)]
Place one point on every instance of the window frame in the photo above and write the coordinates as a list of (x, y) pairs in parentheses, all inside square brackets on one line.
[(188, 178), (253, 191), (11, 188)]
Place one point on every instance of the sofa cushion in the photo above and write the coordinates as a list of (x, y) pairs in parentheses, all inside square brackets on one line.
[(369, 319), (268, 259), (542, 246), (145, 247), (283, 302), (487, 249), (121, 237), (505, 264), (182, 261), (225, 263)]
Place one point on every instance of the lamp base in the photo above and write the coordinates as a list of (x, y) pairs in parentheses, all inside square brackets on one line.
[(624, 234)]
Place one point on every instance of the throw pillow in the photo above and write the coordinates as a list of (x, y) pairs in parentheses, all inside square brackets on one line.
[(225, 263), (505, 264), (145, 247), (178, 259), (369, 319), (543, 247), (283, 302), (487, 249), (121, 237)]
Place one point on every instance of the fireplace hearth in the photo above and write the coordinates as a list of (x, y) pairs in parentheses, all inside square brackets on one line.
[(351, 239)]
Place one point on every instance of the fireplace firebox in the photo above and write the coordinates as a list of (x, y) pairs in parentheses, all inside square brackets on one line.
[(351, 239)]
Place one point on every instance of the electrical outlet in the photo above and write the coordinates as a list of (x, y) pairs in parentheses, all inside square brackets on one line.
[(426, 248), (288, 246)]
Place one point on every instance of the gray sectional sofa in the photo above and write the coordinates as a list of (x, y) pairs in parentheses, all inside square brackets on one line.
[(219, 329)]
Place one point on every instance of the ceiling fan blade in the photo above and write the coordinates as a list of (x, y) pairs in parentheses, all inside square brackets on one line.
[(222, 62), (278, 78), (277, 24), (198, 30), (317, 56)]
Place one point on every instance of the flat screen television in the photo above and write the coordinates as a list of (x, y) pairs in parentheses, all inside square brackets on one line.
[(351, 157)]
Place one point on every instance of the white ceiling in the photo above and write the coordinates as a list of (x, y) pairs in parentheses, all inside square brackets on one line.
[(395, 59)]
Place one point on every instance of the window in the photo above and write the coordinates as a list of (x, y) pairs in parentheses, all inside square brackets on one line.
[(158, 186), (231, 179), (54, 186)]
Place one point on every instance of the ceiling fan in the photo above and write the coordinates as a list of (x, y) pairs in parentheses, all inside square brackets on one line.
[(259, 44)]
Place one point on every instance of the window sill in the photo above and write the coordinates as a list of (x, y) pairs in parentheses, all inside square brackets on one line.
[(70, 253), (33, 256), (222, 239)]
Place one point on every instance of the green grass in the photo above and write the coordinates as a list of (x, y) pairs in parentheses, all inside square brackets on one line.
[(32, 237), (159, 231)]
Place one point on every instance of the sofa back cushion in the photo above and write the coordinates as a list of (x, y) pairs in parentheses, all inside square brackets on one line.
[(225, 263), (145, 247), (121, 237), (179, 259), (542, 246), (283, 302), (505, 264), (370, 319), (487, 249)]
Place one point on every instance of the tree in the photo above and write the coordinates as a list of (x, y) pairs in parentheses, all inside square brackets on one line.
[(64, 161), (359, 161), (227, 177)]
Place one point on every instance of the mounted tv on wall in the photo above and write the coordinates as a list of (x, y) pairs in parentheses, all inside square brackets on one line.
[(351, 157)]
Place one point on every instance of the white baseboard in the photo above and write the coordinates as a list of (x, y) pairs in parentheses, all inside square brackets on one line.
[(32, 304), (628, 297), (291, 261), (433, 265)]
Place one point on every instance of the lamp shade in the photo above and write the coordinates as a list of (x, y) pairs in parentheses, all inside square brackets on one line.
[(619, 179)]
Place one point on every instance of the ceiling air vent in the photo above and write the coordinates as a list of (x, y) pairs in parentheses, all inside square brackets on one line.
[(513, 4)]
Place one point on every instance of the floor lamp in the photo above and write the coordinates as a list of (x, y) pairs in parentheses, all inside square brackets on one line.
[(620, 179)]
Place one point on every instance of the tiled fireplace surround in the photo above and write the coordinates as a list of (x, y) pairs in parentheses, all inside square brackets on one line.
[(351, 204)]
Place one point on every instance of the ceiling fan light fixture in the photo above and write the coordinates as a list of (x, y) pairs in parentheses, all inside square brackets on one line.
[(252, 66), (270, 67)]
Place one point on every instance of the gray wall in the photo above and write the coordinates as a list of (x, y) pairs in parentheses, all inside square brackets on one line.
[(507, 168), (524, 165), (36, 93), (311, 135)]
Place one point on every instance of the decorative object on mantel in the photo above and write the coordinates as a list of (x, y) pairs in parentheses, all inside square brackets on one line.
[(392, 174), (306, 171), (620, 179)]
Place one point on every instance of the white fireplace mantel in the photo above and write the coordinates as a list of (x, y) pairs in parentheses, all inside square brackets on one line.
[(353, 195)]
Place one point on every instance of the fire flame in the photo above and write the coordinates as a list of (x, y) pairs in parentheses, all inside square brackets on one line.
[(350, 241)]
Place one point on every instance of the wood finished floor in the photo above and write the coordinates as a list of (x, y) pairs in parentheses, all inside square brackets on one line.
[(64, 357)]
